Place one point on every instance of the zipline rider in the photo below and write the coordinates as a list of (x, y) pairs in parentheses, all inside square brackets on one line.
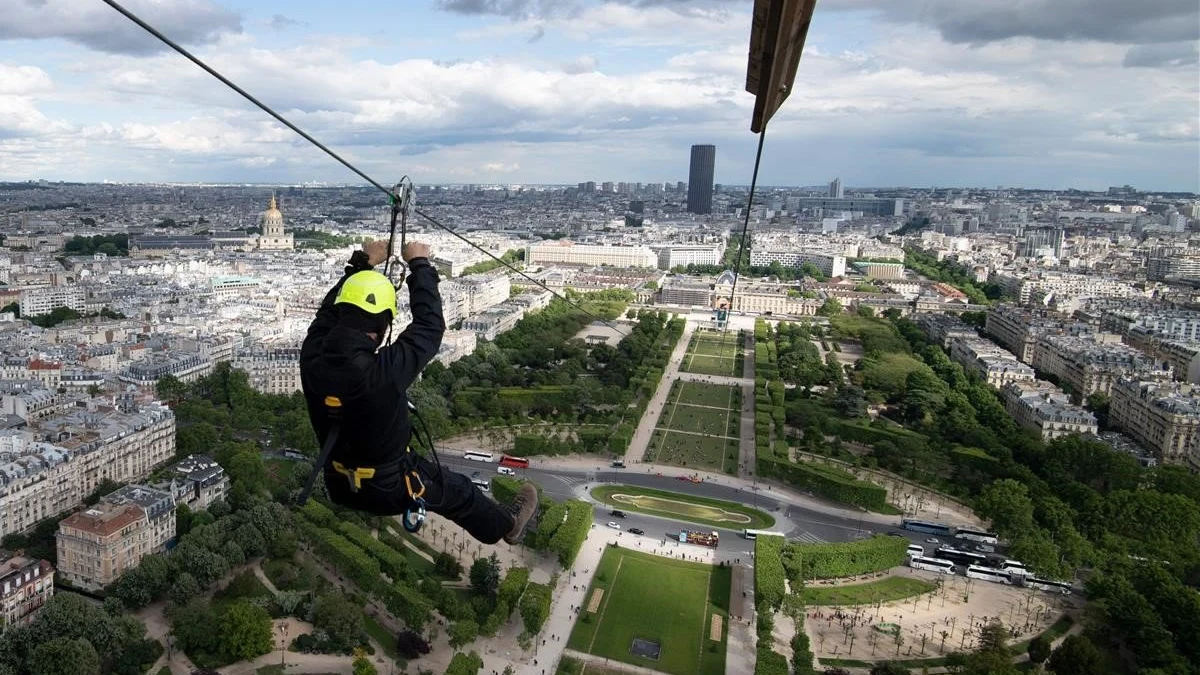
[(358, 386)]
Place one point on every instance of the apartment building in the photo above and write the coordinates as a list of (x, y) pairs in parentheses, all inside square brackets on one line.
[(685, 293), (484, 292), (97, 545), (942, 328), (34, 403), (1164, 417), (1181, 356), (831, 265), (271, 370), (38, 301), (592, 255), (186, 367), (1044, 408), (198, 481), (159, 507), (670, 257), (27, 583), (494, 321), (1167, 324), (1089, 364), (995, 365), (42, 479)]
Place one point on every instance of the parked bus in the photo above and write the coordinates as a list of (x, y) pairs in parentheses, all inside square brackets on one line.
[(976, 535), (931, 564), (928, 527), (1049, 586), (478, 456), (484, 485), (753, 534), (1015, 568), (514, 462), (961, 557), (916, 551), (988, 574)]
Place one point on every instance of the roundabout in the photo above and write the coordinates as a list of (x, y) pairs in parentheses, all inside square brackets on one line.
[(680, 506)]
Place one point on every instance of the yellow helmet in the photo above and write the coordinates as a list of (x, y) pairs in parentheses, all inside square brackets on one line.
[(369, 291)]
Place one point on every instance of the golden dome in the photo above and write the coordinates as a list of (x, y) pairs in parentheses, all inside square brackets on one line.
[(273, 207)]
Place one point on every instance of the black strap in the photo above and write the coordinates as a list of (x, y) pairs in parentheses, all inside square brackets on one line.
[(326, 451)]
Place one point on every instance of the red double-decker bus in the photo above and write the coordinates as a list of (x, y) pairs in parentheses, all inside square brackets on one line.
[(514, 462)]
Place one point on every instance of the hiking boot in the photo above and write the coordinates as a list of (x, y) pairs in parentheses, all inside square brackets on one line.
[(522, 508)]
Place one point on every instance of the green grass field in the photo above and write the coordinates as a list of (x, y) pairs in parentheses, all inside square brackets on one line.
[(666, 601), (699, 427), (713, 355), (699, 510), (694, 452), (712, 395), (884, 590)]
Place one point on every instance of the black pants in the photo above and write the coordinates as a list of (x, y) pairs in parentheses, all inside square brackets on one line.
[(454, 497)]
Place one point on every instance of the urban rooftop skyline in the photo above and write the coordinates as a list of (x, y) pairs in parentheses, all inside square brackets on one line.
[(1057, 96)]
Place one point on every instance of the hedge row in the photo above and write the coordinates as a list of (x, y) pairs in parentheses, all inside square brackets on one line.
[(535, 607), (769, 588), (570, 535), (507, 596), (827, 482), (802, 656), (830, 561), (351, 560)]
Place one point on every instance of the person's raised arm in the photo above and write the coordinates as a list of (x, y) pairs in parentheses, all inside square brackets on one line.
[(416, 346)]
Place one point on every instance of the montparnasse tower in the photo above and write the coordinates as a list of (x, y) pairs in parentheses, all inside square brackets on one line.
[(273, 238)]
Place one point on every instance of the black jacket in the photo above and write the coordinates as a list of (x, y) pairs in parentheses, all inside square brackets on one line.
[(337, 360)]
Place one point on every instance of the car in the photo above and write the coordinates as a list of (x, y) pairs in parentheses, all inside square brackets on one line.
[(475, 475), (636, 530), (617, 514), (932, 540), (613, 525)]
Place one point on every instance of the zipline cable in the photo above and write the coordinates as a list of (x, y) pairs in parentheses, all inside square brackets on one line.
[(745, 224), (284, 121)]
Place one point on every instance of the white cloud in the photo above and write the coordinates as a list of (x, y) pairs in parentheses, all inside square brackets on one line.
[(98, 26), (912, 96)]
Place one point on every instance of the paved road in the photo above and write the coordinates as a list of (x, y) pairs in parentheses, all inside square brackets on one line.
[(800, 517)]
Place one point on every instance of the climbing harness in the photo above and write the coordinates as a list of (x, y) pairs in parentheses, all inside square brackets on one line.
[(333, 409)]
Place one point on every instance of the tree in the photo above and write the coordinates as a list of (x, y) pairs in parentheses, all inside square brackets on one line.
[(192, 625), (363, 666), (1076, 656), (245, 631), (341, 619), (831, 307), (170, 389), (1008, 505), (184, 589), (463, 633), (485, 575), (63, 656), (1039, 650)]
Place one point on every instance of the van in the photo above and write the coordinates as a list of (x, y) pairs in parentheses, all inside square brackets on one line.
[(505, 471), (618, 464), (484, 485)]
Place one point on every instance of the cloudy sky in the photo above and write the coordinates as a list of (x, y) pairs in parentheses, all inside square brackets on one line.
[(1036, 93)]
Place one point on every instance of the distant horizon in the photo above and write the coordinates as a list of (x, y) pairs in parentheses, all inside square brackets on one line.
[(495, 185)]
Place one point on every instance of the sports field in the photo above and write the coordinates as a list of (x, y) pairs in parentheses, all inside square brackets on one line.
[(664, 603), (699, 427), (712, 353)]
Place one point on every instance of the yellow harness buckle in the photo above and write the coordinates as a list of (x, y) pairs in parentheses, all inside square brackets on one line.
[(356, 476)]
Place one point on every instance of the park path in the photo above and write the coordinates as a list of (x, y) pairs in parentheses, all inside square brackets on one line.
[(747, 463), (645, 428)]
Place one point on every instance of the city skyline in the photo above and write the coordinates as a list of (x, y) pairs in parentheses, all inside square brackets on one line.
[(522, 92)]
